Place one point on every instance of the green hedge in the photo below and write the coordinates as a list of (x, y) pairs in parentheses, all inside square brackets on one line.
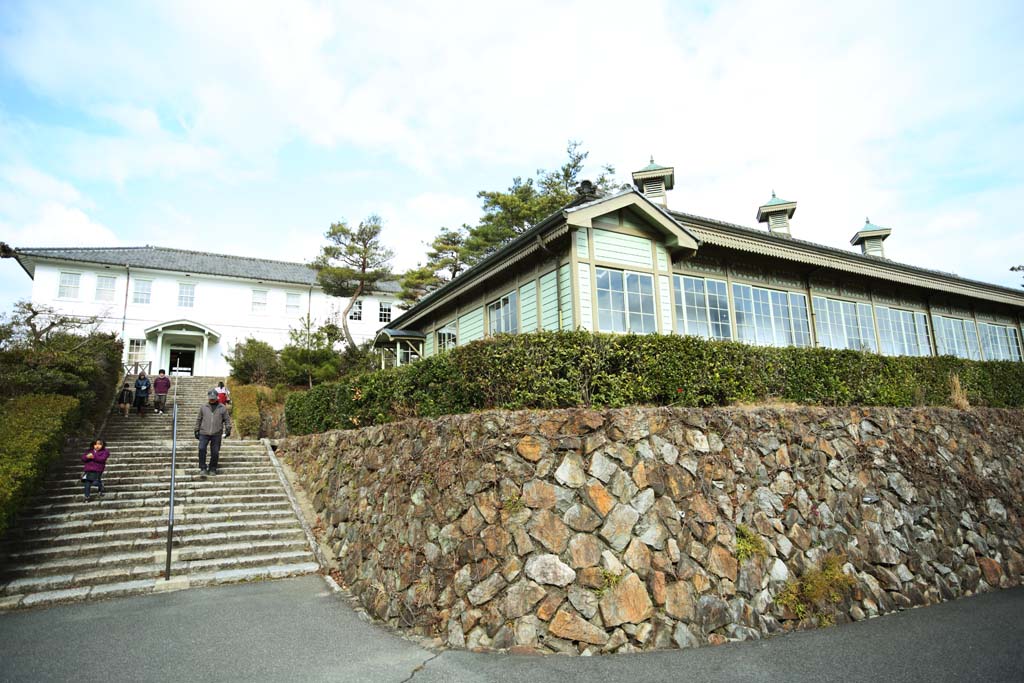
[(563, 369), (245, 408), (32, 430)]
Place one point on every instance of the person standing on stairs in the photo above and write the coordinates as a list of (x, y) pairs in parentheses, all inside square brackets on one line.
[(95, 460), (161, 387), (142, 387), (124, 399), (213, 421), (223, 395)]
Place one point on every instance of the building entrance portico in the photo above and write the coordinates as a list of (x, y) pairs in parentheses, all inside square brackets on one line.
[(184, 344)]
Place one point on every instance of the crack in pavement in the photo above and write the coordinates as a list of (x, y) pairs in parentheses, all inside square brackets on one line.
[(422, 665)]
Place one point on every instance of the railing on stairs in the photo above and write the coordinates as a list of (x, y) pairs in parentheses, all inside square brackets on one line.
[(174, 467)]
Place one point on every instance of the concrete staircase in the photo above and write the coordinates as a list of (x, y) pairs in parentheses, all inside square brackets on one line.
[(236, 526)]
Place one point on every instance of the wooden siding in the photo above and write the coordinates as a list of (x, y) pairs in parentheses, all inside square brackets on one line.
[(586, 306), (428, 345), (663, 259), (564, 275), (624, 249), (528, 307), (471, 326), (665, 293), (548, 301), (582, 244)]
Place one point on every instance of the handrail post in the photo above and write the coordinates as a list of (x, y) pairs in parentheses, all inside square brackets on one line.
[(174, 466)]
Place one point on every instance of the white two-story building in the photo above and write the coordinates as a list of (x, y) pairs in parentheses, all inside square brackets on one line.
[(187, 309)]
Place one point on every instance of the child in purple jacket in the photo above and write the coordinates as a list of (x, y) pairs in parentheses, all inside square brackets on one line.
[(95, 462)]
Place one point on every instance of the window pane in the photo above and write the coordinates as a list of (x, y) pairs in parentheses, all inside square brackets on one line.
[(783, 324), (357, 311), (259, 301), (763, 316), (141, 291), (696, 307), (105, 287), (68, 286), (611, 301), (718, 309), (186, 295), (384, 314), (801, 328), (866, 323), (743, 300)]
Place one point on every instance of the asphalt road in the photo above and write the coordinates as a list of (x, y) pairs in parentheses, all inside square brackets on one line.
[(296, 630)]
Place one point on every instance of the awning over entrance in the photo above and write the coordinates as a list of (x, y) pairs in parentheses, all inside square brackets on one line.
[(398, 347), (180, 330), (186, 327)]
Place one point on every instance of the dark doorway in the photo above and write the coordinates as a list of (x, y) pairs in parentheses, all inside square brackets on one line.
[(182, 361)]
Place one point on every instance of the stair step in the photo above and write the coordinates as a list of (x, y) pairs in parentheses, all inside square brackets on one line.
[(75, 548), (85, 578), (146, 586), (89, 568)]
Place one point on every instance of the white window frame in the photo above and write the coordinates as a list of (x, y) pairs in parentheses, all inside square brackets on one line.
[(834, 324), (384, 312), (106, 294), (683, 321), (292, 303), (190, 298), (898, 336), (142, 295), (259, 301), (999, 342), (67, 290), (446, 337), (503, 314), (626, 312), (768, 305), (136, 351), (357, 310)]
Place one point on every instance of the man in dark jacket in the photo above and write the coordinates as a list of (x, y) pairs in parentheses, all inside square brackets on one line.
[(161, 386), (212, 421), (142, 387)]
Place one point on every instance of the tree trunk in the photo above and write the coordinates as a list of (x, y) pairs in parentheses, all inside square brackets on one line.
[(349, 341)]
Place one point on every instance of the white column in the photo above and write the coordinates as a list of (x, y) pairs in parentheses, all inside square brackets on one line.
[(159, 348), (206, 344)]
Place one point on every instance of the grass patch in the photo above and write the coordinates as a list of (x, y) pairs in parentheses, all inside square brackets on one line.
[(816, 593), (749, 543)]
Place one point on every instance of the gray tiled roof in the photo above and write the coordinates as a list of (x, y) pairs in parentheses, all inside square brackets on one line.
[(184, 261)]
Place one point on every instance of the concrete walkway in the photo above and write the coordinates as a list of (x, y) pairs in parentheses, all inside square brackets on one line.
[(296, 630)]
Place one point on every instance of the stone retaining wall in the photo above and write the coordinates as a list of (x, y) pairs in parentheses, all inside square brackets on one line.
[(582, 531)]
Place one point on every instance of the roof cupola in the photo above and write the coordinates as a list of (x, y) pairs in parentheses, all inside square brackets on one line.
[(776, 213), (870, 239), (655, 181)]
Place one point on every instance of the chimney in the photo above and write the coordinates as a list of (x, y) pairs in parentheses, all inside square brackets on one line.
[(776, 213), (870, 239), (655, 181)]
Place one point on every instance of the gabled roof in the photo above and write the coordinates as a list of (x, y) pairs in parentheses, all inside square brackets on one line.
[(773, 206), (182, 261), (577, 214), (676, 236)]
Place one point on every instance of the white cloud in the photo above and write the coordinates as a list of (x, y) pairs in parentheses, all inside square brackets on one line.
[(904, 113)]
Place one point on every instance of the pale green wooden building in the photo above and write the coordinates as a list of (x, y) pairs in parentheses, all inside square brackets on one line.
[(625, 263)]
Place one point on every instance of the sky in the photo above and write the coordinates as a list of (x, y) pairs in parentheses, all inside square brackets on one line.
[(249, 128)]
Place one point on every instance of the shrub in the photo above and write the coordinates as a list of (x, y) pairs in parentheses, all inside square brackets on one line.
[(245, 408), (563, 369), (32, 430), (254, 362)]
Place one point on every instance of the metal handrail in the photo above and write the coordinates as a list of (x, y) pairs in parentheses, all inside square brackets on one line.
[(174, 467)]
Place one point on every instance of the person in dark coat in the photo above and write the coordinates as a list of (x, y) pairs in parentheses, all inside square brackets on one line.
[(125, 399), (142, 387), (95, 460)]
